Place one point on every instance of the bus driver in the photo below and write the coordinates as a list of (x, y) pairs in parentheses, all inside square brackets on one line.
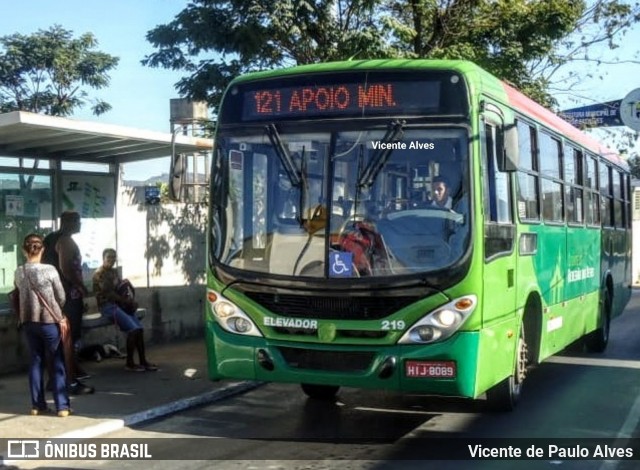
[(442, 198)]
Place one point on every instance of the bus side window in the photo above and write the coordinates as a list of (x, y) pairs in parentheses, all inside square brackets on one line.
[(498, 227), (497, 194)]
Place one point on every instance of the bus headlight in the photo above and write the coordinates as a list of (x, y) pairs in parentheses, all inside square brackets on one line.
[(239, 324), (230, 317), (441, 323), (427, 333), (224, 309)]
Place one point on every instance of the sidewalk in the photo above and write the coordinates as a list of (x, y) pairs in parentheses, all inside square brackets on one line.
[(122, 398)]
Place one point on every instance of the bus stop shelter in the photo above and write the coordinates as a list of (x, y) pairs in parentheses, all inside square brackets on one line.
[(30, 135), (52, 164)]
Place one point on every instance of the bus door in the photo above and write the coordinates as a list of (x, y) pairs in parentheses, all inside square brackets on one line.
[(499, 230)]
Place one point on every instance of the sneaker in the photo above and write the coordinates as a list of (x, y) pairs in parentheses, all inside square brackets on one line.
[(78, 388), (64, 413), (40, 411)]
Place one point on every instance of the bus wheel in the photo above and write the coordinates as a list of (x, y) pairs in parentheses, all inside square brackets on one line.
[(505, 395), (597, 341), (320, 392)]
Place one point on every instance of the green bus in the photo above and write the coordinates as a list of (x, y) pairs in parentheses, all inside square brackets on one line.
[(410, 225)]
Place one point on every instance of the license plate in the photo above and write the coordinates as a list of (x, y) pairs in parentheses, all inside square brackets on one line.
[(430, 369)]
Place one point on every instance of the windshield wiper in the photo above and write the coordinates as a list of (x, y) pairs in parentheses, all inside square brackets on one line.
[(393, 135), (288, 164)]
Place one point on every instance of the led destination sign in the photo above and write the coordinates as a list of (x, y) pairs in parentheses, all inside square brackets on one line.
[(349, 99)]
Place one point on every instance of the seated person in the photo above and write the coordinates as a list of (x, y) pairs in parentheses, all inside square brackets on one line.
[(441, 196), (430, 234), (456, 233), (105, 284)]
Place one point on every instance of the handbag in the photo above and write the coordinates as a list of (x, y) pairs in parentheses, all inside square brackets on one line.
[(65, 332), (14, 303), (125, 289)]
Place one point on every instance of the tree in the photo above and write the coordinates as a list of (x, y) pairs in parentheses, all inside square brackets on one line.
[(214, 41), (634, 166), (48, 72), (625, 141), (527, 42), (504, 37)]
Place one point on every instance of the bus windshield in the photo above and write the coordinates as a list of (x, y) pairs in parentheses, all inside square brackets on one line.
[(362, 202)]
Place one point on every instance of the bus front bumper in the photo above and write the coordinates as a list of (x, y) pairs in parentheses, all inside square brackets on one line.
[(408, 368)]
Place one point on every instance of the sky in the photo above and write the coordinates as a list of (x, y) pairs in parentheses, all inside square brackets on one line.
[(605, 82), (608, 82), (140, 95)]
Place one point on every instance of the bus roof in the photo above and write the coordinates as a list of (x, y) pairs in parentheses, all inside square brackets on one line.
[(516, 99), (350, 65)]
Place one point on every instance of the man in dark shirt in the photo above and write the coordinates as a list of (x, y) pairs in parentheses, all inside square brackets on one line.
[(62, 252)]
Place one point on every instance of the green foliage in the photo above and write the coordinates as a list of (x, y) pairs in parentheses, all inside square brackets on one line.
[(216, 40), (621, 140), (504, 37), (525, 42), (626, 143), (634, 166), (47, 72), (164, 192)]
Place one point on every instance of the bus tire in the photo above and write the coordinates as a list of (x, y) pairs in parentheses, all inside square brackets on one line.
[(320, 392), (505, 395), (596, 341)]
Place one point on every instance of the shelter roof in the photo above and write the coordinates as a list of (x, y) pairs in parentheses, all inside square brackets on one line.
[(24, 134)]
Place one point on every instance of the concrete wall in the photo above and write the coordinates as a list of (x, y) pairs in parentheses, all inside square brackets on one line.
[(161, 250)]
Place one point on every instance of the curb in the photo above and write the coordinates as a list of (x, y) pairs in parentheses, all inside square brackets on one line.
[(111, 425)]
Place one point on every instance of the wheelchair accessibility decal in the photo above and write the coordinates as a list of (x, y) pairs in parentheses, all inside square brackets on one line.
[(340, 264)]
